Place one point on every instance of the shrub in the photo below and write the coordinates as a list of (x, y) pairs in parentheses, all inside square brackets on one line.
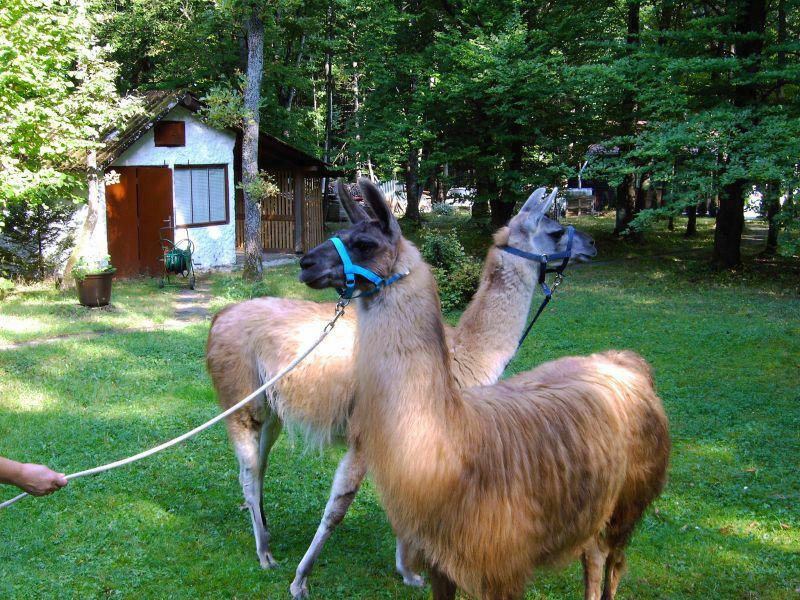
[(35, 239), (443, 209), (457, 274), (442, 249)]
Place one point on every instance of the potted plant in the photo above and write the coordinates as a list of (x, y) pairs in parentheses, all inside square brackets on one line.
[(93, 280)]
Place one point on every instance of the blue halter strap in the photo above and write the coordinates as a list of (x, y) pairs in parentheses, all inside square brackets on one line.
[(351, 270), (544, 259)]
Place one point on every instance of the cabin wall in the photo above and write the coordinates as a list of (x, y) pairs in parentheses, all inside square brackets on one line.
[(215, 245)]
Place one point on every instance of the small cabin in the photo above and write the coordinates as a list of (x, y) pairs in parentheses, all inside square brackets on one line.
[(168, 173)]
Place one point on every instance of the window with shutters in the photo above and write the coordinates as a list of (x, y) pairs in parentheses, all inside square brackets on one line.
[(201, 195), (169, 133)]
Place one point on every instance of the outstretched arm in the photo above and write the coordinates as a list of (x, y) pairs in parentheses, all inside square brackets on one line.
[(37, 480)]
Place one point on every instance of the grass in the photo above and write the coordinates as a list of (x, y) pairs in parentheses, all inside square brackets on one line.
[(726, 353), (40, 311)]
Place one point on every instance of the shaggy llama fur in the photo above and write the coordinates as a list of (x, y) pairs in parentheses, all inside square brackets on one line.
[(491, 482)]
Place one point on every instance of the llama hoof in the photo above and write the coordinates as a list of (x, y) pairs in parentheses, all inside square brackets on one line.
[(299, 589), (267, 561), (414, 580)]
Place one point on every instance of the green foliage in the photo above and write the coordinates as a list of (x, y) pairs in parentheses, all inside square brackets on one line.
[(84, 267), (442, 209), (57, 94), (6, 287), (224, 106), (789, 220), (35, 238), (260, 188), (457, 274)]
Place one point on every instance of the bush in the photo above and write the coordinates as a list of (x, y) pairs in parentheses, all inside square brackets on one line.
[(442, 249), (457, 274), (443, 209), (35, 238)]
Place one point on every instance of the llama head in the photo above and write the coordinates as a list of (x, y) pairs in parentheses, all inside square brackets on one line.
[(531, 230), (372, 243)]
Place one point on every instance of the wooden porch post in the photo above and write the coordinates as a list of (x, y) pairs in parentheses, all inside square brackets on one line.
[(299, 217)]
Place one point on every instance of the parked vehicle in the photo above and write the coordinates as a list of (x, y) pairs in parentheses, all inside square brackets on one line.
[(460, 196)]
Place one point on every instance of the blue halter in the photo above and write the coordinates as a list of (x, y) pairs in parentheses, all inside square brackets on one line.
[(351, 270), (543, 259)]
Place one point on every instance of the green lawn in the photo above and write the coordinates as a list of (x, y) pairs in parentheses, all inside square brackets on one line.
[(726, 353), (41, 311)]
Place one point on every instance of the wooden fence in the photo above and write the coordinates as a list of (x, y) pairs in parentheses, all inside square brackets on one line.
[(313, 222), (277, 215)]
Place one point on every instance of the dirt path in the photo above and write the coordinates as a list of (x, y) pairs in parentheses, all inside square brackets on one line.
[(190, 306)]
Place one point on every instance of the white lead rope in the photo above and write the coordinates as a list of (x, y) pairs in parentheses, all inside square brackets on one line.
[(137, 457)]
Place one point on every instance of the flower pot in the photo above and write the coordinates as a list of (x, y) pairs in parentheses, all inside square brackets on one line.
[(95, 290)]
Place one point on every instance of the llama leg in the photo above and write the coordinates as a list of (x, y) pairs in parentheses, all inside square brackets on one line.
[(615, 568), (349, 475), (593, 558), (270, 430), (441, 585), (401, 563), (252, 446)]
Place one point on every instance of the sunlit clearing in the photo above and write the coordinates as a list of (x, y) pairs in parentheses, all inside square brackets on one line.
[(19, 324)]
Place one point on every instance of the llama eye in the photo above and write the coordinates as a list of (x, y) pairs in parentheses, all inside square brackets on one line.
[(364, 245)]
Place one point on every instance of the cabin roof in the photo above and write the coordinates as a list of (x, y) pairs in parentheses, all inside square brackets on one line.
[(272, 152)]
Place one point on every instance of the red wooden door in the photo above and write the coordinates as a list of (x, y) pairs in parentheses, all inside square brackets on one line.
[(155, 209), (122, 222), (136, 209)]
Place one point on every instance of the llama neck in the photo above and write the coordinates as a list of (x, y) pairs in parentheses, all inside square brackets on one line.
[(488, 332), (407, 406)]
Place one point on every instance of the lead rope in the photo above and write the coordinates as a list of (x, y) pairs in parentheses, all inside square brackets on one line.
[(340, 306)]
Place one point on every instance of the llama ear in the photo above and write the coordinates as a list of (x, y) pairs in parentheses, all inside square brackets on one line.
[(548, 202), (533, 200), (355, 213), (377, 202)]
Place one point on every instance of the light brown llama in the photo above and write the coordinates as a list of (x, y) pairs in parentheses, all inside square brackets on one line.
[(251, 340), (491, 482)]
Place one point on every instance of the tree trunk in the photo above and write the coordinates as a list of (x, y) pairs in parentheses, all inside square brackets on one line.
[(502, 205), (328, 91), (626, 191), (253, 246), (92, 215), (691, 224), (357, 120), (730, 224), (298, 62), (749, 24), (480, 204), (626, 204), (772, 198), (502, 211), (412, 183)]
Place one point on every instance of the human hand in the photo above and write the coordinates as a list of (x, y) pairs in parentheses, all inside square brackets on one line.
[(38, 480)]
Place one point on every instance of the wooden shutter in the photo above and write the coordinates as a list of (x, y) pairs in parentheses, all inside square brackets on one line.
[(170, 133)]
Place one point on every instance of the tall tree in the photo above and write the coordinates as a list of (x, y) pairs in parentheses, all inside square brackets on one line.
[(253, 246), (749, 19), (58, 96)]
